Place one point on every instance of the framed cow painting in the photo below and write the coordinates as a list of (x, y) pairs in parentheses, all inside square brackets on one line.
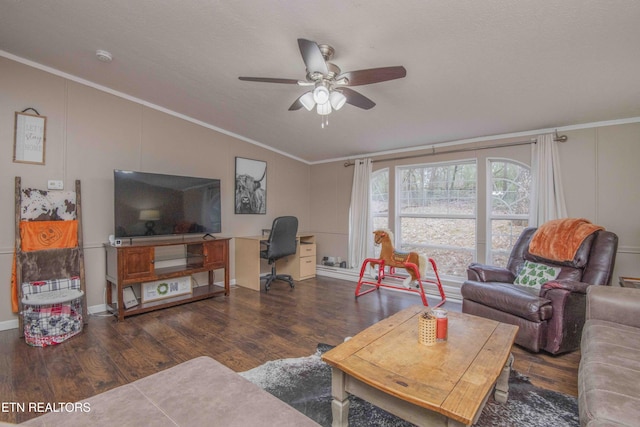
[(251, 186)]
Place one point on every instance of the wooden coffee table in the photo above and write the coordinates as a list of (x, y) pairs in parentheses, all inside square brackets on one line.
[(445, 384)]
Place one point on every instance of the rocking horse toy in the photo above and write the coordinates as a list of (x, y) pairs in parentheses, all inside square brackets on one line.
[(395, 259), (414, 263)]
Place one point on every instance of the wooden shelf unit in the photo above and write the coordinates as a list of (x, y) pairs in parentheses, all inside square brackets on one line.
[(140, 262)]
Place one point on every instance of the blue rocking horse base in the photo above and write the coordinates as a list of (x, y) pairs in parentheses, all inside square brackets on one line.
[(382, 274)]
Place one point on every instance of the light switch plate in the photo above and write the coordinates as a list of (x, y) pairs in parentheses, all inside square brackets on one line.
[(54, 184)]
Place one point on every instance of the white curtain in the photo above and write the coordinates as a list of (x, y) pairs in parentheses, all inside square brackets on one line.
[(359, 217), (547, 195)]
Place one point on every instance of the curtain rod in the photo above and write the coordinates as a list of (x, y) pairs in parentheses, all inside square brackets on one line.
[(557, 138)]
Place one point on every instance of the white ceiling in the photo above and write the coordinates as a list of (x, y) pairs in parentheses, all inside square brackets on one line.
[(474, 68)]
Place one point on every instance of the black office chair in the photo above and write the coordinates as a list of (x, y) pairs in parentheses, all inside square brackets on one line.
[(281, 243)]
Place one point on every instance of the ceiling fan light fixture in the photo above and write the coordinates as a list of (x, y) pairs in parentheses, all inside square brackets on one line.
[(307, 101), (330, 89), (321, 95), (337, 100)]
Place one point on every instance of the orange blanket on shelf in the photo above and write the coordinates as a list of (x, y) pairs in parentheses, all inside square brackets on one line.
[(38, 235), (560, 239)]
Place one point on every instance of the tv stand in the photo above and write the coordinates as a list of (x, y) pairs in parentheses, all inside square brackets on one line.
[(142, 262)]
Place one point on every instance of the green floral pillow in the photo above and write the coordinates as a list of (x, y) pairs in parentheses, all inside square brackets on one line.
[(536, 275)]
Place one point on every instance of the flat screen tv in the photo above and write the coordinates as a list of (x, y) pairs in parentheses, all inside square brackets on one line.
[(151, 204)]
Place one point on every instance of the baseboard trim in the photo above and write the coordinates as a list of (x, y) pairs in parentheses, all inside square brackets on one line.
[(9, 324), (452, 291)]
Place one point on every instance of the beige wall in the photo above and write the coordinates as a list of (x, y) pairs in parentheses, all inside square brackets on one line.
[(600, 174), (90, 133)]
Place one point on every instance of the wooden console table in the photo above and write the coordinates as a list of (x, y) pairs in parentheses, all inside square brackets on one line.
[(140, 262)]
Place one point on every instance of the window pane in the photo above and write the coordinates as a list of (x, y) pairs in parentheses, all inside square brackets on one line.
[(504, 233), (439, 231), (441, 189), (510, 188), (431, 200), (450, 262), (380, 222), (380, 202), (510, 184), (500, 259), (380, 192)]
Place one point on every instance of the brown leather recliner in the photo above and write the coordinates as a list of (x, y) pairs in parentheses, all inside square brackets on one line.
[(552, 317)]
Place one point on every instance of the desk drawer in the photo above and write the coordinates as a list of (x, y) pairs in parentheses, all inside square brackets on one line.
[(307, 267), (307, 250)]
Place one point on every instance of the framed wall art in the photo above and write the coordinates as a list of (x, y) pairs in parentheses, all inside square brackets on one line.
[(30, 138), (251, 186)]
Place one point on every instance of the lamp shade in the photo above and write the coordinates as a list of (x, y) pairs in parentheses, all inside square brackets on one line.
[(337, 100), (149, 215), (307, 101)]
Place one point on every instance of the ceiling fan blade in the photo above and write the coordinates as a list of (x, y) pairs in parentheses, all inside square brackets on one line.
[(357, 99), (312, 57), (373, 75), (296, 104), (269, 80)]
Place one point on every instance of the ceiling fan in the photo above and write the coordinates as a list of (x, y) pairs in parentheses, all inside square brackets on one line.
[(330, 85)]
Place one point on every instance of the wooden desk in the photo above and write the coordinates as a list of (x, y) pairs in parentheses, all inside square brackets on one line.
[(445, 384), (300, 266)]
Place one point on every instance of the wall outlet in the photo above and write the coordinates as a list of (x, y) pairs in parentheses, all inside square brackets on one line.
[(54, 184)]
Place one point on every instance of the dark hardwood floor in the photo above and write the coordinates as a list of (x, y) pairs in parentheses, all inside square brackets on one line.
[(241, 331)]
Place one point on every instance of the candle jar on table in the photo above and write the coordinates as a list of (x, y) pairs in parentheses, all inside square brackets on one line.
[(442, 324)]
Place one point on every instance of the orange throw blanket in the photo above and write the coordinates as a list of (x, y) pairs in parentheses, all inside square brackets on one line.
[(560, 239), (37, 235)]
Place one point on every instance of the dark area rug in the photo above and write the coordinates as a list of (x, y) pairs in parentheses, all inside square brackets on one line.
[(305, 384)]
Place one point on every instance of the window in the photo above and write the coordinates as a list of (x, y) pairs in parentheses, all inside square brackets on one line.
[(436, 207), (380, 198), (508, 207), (435, 210)]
